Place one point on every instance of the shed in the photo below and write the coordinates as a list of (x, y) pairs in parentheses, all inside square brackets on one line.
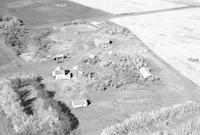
[(145, 72), (79, 103)]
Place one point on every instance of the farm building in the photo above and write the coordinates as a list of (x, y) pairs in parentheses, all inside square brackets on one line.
[(59, 57), (79, 103), (102, 42), (60, 73), (145, 72)]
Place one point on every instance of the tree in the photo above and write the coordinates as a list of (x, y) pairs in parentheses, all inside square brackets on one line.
[(41, 42), (14, 33)]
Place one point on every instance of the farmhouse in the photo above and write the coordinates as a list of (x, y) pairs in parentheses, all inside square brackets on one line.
[(102, 42), (60, 73)]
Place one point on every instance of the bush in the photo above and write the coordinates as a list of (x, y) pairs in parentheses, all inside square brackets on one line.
[(10, 22)]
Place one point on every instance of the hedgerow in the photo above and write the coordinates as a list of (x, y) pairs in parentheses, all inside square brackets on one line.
[(141, 120)]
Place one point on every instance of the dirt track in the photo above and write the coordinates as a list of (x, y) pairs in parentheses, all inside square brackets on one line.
[(10, 53)]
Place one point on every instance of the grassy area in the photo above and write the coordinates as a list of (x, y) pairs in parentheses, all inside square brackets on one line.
[(4, 59), (39, 12)]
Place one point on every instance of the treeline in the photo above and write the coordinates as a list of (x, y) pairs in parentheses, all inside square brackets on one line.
[(35, 115), (140, 121)]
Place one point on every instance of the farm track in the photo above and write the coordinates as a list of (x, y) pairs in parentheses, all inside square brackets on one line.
[(11, 53), (157, 11)]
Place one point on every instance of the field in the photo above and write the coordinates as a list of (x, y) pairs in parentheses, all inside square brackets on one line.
[(39, 12), (129, 6), (175, 40)]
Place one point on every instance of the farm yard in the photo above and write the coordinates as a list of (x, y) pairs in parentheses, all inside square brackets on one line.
[(77, 72)]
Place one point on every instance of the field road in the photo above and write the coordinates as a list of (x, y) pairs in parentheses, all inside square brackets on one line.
[(10, 53)]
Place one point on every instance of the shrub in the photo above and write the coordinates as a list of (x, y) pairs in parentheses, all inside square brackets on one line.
[(9, 22)]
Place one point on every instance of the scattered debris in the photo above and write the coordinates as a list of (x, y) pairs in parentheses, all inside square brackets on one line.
[(27, 56), (60, 73), (106, 63), (196, 60), (87, 74), (91, 59), (102, 42), (80, 103), (95, 23), (59, 58), (116, 30), (75, 22)]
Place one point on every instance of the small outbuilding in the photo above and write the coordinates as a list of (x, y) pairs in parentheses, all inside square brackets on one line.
[(145, 72), (60, 73), (80, 103), (59, 58)]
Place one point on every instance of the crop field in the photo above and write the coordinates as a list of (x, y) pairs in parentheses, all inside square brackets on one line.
[(129, 6), (39, 12)]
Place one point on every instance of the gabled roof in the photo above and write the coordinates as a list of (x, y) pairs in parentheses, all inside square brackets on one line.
[(60, 71)]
